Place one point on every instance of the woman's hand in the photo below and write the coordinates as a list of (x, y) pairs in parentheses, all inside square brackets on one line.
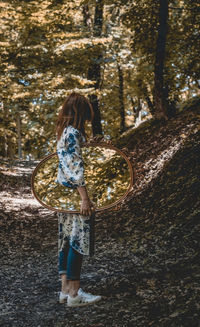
[(86, 207), (86, 204)]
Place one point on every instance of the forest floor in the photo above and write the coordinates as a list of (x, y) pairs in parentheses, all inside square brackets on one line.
[(146, 265)]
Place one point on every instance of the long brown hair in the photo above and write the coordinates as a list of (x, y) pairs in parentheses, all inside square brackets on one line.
[(75, 111)]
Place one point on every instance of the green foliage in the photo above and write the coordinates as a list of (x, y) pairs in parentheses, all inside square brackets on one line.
[(181, 66), (47, 49)]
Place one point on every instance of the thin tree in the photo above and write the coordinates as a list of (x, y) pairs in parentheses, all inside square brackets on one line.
[(19, 135), (94, 72), (121, 98), (160, 98)]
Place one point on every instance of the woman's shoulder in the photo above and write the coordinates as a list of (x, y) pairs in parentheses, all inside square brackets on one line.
[(71, 130)]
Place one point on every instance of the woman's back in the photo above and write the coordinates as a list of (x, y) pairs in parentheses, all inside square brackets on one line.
[(70, 169)]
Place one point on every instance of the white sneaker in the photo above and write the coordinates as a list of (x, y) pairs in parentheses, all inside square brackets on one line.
[(82, 299), (63, 297)]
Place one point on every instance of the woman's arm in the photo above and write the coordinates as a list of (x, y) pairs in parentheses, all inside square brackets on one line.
[(86, 204), (73, 168)]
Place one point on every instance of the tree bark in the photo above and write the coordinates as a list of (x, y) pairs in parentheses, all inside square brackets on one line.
[(150, 105), (94, 72), (121, 98), (137, 111), (5, 130), (9, 150), (160, 99), (86, 17), (19, 136), (98, 18)]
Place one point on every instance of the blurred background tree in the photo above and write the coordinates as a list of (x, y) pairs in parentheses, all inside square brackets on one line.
[(134, 60)]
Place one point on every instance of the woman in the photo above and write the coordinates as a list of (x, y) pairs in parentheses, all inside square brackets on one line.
[(74, 229)]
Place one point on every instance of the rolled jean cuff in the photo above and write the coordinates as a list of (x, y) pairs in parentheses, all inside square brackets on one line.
[(61, 272), (73, 278)]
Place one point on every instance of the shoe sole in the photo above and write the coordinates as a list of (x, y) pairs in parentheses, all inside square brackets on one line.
[(63, 301), (83, 304)]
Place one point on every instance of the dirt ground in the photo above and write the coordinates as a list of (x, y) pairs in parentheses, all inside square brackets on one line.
[(146, 264)]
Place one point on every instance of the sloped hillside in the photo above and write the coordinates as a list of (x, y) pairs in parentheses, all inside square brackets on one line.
[(147, 254), (160, 221)]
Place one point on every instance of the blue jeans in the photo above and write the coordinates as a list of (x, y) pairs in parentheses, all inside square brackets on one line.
[(70, 262)]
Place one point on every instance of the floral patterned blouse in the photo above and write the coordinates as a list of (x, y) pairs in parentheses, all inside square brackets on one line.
[(70, 170), (73, 227)]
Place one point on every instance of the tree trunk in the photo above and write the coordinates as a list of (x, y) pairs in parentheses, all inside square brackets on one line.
[(121, 98), (160, 99), (86, 17), (5, 130), (98, 18), (137, 113), (95, 75), (150, 105), (94, 72), (9, 150), (19, 136)]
